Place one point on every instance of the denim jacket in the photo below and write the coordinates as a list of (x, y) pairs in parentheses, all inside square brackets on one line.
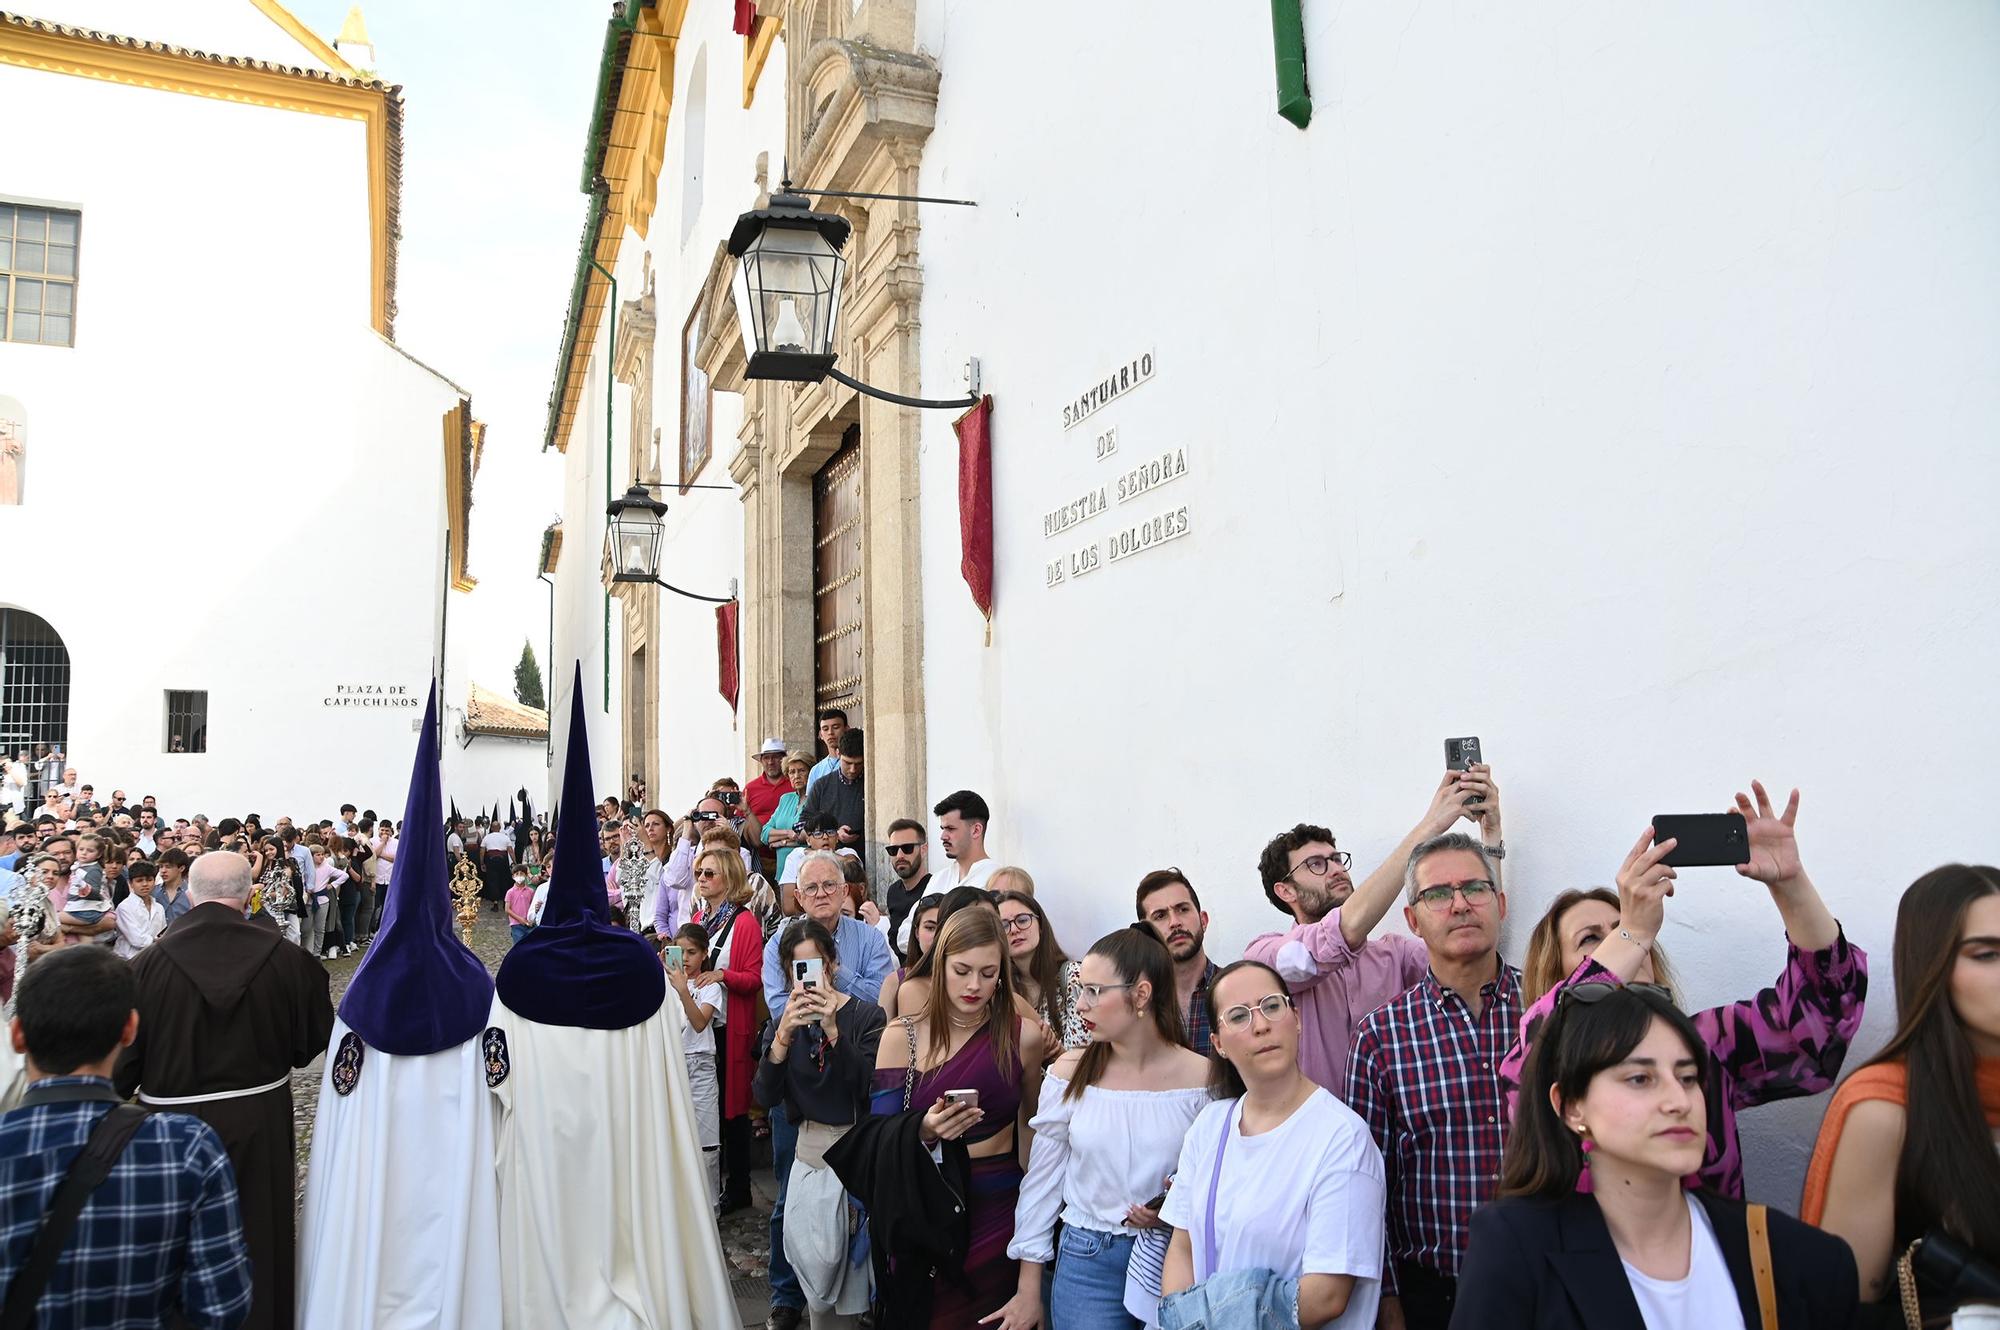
[(1234, 1300)]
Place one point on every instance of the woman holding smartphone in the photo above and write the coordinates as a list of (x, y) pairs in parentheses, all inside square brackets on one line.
[(736, 943), (970, 1068), (1783, 1043), (1113, 1116), (819, 1065)]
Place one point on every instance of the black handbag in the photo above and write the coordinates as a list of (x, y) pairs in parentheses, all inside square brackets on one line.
[(1940, 1271)]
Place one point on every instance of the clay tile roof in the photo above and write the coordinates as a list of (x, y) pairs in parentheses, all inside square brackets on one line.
[(488, 712), (392, 97)]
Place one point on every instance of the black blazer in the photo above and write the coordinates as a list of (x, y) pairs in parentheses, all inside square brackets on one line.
[(1535, 1264)]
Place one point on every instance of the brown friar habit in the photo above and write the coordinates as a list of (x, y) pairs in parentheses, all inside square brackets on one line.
[(225, 1003)]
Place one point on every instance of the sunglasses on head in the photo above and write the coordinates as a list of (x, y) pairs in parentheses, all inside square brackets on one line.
[(1591, 994)]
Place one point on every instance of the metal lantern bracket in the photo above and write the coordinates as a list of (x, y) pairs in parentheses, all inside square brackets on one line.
[(790, 210), (637, 500)]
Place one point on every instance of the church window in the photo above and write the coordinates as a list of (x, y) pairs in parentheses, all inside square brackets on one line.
[(38, 274), (187, 721)]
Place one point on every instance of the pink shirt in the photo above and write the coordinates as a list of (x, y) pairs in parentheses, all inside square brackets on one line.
[(518, 900), (1337, 987)]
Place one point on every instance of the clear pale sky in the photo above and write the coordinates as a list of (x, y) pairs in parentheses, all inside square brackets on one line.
[(496, 108)]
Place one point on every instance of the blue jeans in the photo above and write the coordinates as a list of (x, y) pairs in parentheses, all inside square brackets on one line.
[(517, 931), (1089, 1289), (785, 1291)]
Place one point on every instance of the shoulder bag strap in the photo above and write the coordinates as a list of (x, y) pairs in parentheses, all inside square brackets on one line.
[(1906, 1286), (1214, 1186), (909, 1076), (1760, 1265), (92, 1165)]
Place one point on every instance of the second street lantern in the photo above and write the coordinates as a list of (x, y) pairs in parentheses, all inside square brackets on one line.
[(788, 287)]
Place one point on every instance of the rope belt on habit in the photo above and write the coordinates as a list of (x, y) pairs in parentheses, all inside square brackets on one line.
[(163, 1101)]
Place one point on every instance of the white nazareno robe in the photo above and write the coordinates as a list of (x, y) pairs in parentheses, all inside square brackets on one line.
[(401, 1226), (606, 1222)]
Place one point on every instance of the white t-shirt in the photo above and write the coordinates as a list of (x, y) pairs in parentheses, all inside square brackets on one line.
[(539, 903), (139, 922), (385, 857), (1705, 1300), (496, 840), (951, 876), (1303, 1198), (712, 996)]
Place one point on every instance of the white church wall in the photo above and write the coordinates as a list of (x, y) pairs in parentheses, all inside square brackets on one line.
[(229, 441), (1615, 386), (580, 624)]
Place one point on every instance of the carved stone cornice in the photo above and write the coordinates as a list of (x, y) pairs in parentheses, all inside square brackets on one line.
[(853, 98), (636, 326)]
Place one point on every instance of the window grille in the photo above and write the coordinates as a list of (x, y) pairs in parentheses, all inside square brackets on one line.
[(187, 721), (34, 684)]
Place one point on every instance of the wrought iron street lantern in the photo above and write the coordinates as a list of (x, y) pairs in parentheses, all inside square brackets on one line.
[(788, 280), (634, 528), (788, 269), (634, 532)]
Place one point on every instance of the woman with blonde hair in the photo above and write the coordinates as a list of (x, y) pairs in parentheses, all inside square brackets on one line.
[(736, 944), (961, 1077)]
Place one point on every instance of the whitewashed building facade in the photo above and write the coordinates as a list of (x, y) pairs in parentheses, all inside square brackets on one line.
[(237, 518), (1614, 385)]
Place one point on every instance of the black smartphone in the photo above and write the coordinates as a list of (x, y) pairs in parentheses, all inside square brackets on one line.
[(1460, 754), (1158, 1201), (1704, 839)]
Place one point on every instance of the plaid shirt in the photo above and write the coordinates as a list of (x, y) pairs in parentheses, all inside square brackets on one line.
[(1425, 1076), (161, 1232), (1195, 1018)]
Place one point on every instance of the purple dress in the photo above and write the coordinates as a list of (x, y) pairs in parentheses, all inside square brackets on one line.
[(1785, 1043), (990, 1278)]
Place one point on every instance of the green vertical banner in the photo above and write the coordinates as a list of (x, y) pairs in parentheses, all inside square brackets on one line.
[(1288, 36)]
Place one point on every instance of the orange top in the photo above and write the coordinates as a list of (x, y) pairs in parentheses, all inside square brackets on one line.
[(1884, 1080)]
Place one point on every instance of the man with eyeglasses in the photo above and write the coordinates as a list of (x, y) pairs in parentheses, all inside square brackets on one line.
[(865, 962), (909, 859), (1425, 1076), (1337, 971)]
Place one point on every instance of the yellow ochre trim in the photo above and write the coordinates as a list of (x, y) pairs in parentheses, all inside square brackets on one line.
[(306, 37), (457, 503), (756, 50), (169, 70)]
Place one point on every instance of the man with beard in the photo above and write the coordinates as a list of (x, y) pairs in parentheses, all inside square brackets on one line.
[(1337, 974), (1168, 905), (908, 849)]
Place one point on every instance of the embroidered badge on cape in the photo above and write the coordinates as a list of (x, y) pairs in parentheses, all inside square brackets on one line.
[(494, 1046), (347, 1064)]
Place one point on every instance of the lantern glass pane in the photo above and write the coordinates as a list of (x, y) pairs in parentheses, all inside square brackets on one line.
[(790, 295)]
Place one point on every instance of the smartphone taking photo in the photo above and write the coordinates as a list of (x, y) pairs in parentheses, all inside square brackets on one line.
[(807, 972), (1703, 840), (1461, 755)]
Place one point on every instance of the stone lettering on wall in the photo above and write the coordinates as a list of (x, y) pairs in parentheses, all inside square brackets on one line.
[(393, 696), (1109, 389)]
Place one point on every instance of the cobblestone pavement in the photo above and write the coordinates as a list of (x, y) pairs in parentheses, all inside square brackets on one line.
[(746, 1234)]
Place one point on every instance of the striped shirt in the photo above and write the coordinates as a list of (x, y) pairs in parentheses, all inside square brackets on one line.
[(1425, 1077), (161, 1232)]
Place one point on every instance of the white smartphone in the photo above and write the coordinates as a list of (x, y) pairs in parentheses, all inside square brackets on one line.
[(808, 971)]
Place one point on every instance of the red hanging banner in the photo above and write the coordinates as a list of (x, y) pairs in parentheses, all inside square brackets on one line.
[(975, 503), (725, 651), (746, 17)]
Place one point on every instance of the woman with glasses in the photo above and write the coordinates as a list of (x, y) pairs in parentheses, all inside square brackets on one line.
[(821, 1067), (1109, 1130), (736, 949), (912, 990), (1043, 974), (1785, 1042), (1597, 1226), (781, 831), (1278, 1197)]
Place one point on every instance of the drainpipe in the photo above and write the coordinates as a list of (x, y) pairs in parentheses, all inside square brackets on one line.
[(610, 350), (549, 742)]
